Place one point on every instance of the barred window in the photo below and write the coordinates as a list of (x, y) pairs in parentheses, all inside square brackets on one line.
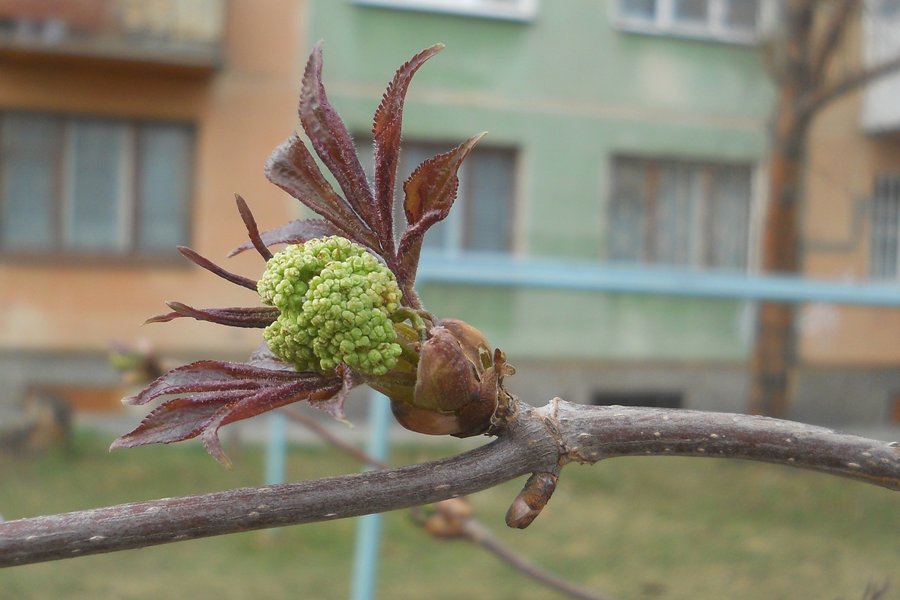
[(884, 262), (671, 212)]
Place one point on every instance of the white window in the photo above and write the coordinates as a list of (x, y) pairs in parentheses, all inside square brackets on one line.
[(482, 216), (884, 261), (512, 10), (736, 21), (673, 212), (91, 185)]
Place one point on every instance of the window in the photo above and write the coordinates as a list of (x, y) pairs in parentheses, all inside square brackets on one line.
[(680, 213), (511, 10), (90, 185), (481, 219), (884, 262), (738, 21)]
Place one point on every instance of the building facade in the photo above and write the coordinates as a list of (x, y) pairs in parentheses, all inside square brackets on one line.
[(625, 134)]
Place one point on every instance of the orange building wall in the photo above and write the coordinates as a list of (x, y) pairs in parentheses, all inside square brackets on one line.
[(241, 113), (843, 164)]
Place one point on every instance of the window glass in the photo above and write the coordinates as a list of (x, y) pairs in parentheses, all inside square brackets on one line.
[(28, 148), (638, 9), (741, 14), (163, 185), (690, 11), (625, 233), (96, 177), (489, 194)]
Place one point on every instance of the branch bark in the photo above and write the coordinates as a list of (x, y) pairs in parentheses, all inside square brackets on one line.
[(533, 440)]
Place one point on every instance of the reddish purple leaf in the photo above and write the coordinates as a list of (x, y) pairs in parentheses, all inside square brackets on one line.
[(386, 130), (429, 194), (210, 266), (295, 232), (206, 375), (258, 403), (292, 168), (252, 229), (173, 421), (220, 393), (258, 317), (332, 142)]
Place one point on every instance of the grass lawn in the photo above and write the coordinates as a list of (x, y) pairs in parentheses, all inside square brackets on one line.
[(639, 528)]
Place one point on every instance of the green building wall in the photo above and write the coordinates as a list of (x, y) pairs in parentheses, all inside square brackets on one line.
[(570, 92)]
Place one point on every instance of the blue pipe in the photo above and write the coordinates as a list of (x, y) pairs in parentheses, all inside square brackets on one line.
[(571, 275), (368, 533), (276, 448)]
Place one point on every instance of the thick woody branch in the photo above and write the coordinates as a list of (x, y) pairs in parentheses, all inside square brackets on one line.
[(592, 433), (534, 441)]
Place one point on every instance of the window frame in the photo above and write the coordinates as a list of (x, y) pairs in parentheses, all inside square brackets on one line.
[(519, 10), (715, 28), (60, 248), (706, 170)]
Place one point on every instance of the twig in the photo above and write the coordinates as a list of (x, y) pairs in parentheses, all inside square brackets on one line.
[(468, 528), (533, 441), (476, 532)]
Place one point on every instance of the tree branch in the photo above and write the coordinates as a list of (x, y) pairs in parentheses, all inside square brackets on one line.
[(479, 534), (532, 441), (834, 30), (592, 433), (825, 94)]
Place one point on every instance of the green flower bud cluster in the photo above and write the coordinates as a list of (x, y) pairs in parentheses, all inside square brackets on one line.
[(336, 300)]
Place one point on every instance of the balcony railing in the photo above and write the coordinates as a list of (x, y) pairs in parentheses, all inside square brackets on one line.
[(179, 33)]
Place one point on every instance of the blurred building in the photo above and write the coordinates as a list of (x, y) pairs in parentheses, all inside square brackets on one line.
[(628, 134), (126, 126)]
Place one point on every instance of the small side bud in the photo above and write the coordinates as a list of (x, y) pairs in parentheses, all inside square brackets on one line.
[(531, 500)]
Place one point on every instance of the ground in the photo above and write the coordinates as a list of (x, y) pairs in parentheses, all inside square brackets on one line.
[(638, 528)]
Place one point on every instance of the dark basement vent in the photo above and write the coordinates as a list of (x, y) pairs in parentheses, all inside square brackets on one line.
[(652, 399)]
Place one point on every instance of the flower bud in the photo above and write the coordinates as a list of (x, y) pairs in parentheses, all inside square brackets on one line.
[(449, 396)]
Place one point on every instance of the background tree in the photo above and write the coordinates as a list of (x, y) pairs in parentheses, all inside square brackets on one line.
[(810, 72)]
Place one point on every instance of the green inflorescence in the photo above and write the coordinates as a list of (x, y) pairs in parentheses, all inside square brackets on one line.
[(336, 301)]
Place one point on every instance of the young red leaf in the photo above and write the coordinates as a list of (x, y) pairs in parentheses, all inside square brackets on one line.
[(252, 229), (173, 421), (386, 130), (205, 375), (295, 232), (292, 168), (429, 194), (212, 267), (332, 142), (258, 403), (220, 393), (259, 317)]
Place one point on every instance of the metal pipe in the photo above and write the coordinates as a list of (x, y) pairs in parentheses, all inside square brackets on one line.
[(368, 533), (571, 275)]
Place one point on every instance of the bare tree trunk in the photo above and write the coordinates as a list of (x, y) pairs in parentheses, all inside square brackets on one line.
[(774, 354)]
